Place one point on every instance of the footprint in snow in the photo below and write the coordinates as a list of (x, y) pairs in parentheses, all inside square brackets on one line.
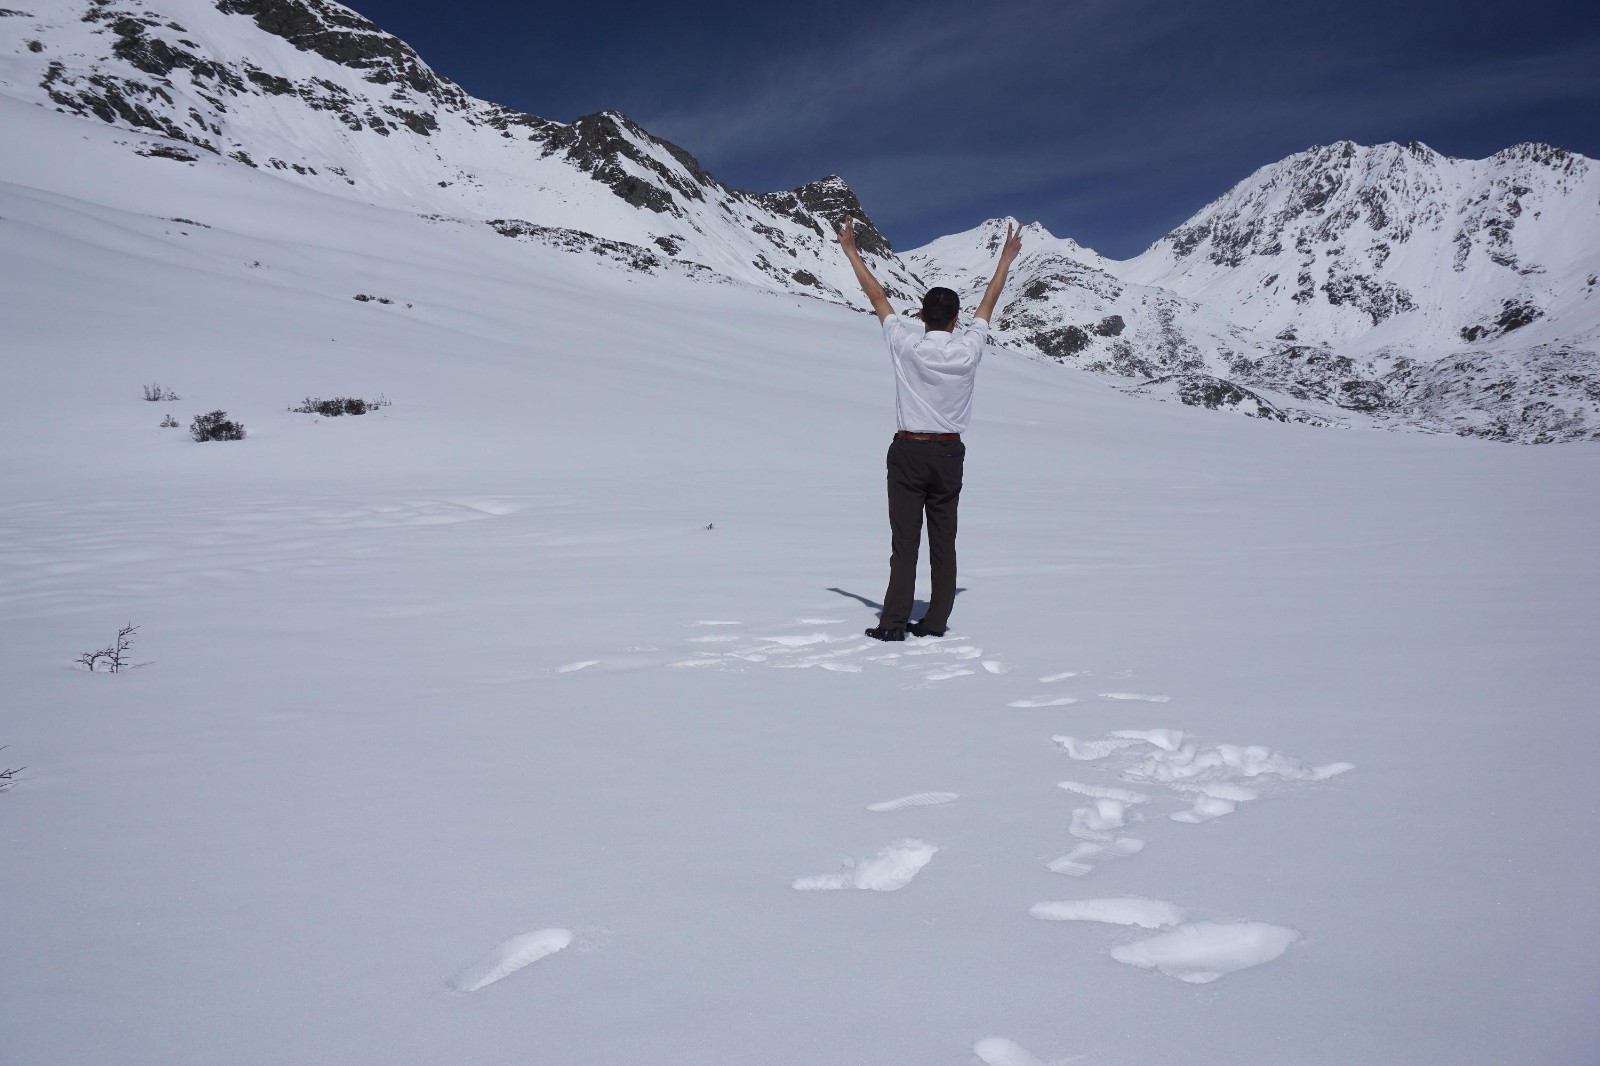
[(1145, 913), (1213, 800), (916, 799), (1083, 859), (1060, 677), (1103, 792), (508, 957), (1135, 696), (891, 869), (945, 673), (1209, 778), (800, 641), (1092, 750), (998, 1051), (1058, 701), (994, 666), (1204, 951), (581, 664)]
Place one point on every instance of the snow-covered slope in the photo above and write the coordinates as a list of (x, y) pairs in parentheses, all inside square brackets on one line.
[(529, 719), (1459, 295), (1389, 246), (313, 92)]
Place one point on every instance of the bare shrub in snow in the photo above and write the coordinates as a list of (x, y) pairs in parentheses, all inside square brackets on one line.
[(154, 392), (7, 775), (339, 405), (169, 422), (215, 426), (114, 655)]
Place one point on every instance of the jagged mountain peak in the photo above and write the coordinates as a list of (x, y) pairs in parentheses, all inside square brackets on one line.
[(1547, 155), (343, 36), (973, 251)]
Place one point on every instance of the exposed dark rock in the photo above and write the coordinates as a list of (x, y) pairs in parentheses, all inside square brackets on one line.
[(1111, 326), (505, 119), (831, 200), (1379, 299), (271, 84), (339, 34), (167, 151), (1061, 343), (1362, 396), (596, 144), (630, 255), (1213, 393), (1514, 315)]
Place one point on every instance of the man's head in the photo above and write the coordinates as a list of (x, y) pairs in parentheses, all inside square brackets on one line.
[(939, 309)]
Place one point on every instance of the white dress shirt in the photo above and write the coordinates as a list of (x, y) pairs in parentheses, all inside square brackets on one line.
[(933, 374)]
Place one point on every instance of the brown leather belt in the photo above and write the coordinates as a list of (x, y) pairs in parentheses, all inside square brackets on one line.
[(938, 438)]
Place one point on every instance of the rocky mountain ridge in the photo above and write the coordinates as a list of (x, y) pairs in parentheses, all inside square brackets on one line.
[(1342, 285), (318, 94)]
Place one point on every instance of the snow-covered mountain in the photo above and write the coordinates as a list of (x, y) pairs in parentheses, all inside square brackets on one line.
[(1460, 295), (1345, 285), (312, 91)]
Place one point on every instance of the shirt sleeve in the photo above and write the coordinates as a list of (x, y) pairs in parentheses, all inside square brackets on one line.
[(973, 338), (898, 336)]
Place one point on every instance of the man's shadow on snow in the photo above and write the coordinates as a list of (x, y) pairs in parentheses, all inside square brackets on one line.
[(918, 607)]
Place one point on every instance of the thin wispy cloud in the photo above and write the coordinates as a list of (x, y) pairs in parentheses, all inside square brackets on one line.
[(1108, 120)]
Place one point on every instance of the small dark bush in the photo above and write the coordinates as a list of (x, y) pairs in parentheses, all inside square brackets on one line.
[(114, 655), (154, 392), (215, 426), (339, 405), (169, 423)]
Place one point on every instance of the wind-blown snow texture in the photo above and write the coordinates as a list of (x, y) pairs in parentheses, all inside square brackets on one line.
[(499, 725)]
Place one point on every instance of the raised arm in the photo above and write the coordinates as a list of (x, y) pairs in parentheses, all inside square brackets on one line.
[(869, 284), (1008, 253)]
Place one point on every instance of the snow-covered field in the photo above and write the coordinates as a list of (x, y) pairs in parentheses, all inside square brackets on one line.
[(529, 720)]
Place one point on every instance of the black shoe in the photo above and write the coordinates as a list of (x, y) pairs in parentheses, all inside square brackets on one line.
[(880, 633), (917, 629)]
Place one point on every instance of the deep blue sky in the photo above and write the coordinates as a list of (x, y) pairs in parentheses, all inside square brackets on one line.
[(1110, 121)]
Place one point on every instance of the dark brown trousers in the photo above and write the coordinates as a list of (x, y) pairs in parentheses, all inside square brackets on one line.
[(924, 477)]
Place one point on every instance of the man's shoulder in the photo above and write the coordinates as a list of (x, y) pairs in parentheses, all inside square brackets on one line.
[(898, 334)]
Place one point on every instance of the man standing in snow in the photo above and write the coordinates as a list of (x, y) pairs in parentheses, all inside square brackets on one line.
[(933, 377)]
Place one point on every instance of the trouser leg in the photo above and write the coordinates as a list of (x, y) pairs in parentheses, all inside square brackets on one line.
[(942, 503), (905, 537)]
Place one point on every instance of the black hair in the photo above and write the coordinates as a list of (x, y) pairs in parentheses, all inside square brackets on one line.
[(940, 308)]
